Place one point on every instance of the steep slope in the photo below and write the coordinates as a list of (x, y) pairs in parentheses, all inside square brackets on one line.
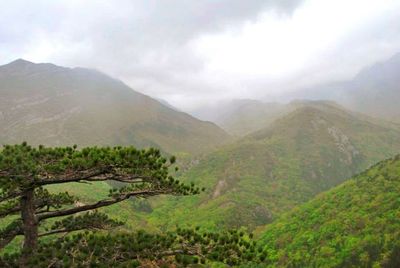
[(48, 104), (252, 181), (356, 224)]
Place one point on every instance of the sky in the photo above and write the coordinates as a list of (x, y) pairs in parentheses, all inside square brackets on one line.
[(191, 53)]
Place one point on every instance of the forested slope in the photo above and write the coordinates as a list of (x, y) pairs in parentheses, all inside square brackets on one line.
[(356, 224), (251, 182)]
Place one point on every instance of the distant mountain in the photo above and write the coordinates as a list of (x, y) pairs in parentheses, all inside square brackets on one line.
[(53, 105), (242, 116), (374, 91), (251, 182), (356, 224)]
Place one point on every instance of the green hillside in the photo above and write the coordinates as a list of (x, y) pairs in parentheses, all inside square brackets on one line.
[(251, 182), (53, 105), (356, 224)]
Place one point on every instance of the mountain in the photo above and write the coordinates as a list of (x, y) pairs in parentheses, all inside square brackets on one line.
[(242, 116), (166, 103), (356, 224), (53, 105), (254, 180), (375, 90)]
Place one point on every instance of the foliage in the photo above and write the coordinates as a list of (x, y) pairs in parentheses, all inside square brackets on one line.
[(183, 248), (356, 224), (25, 171)]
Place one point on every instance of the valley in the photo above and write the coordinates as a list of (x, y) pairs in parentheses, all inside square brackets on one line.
[(317, 146)]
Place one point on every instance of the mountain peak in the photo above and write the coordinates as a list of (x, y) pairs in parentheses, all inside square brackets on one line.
[(18, 65), (24, 67), (55, 105), (20, 62)]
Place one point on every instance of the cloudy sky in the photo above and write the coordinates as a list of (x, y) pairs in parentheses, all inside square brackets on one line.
[(190, 52)]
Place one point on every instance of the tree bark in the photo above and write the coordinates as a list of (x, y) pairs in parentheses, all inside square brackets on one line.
[(29, 225)]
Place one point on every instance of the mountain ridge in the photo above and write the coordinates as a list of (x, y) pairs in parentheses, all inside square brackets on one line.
[(54, 105), (374, 90), (272, 170)]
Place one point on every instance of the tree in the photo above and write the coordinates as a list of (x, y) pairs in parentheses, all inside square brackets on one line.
[(26, 171), (180, 248)]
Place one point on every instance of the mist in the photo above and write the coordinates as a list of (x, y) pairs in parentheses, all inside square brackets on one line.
[(194, 54)]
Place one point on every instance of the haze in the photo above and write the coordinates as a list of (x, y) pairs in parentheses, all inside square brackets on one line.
[(191, 53)]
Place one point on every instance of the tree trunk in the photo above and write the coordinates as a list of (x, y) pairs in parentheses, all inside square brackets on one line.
[(29, 225)]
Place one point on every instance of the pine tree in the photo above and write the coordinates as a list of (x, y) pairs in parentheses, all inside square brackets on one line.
[(181, 248), (26, 171)]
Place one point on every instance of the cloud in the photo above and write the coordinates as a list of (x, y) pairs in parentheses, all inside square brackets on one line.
[(145, 42), (192, 52)]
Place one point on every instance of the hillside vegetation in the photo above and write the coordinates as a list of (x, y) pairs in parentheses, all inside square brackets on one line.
[(251, 182), (356, 224)]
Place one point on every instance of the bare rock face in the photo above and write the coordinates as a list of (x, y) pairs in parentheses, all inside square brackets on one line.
[(344, 145), (221, 185)]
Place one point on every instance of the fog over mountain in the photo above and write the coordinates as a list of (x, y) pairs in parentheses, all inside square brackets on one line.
[(374, 91), (53, 105), (192, 53)]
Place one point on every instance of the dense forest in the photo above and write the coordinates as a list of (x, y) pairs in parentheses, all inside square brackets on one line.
[(356, 224)]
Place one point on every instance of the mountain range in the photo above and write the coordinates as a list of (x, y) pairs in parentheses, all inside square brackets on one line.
[(374, 91), (53, 105)]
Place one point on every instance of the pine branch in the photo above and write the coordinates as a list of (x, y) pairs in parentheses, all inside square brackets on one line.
[(88, 221), (11, 196), (44, 199), (102, 203), (76, 177), (99, 176), (10, 232), (10, 211), (60, 231)]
